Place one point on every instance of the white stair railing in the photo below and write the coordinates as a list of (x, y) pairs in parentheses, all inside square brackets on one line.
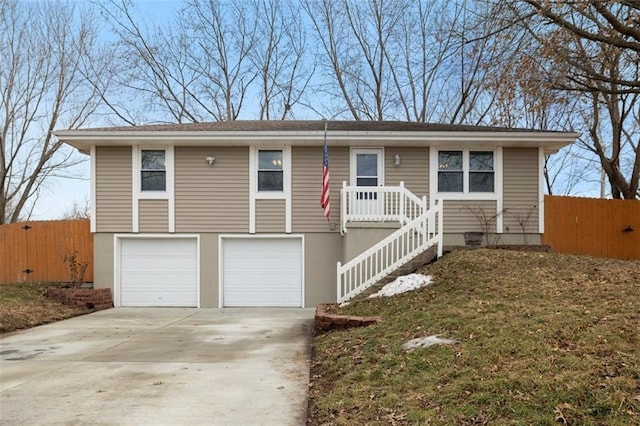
[(379, 204), (395, 250)]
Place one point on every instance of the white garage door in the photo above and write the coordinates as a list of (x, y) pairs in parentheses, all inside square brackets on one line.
[(159, 272), (262, 272)]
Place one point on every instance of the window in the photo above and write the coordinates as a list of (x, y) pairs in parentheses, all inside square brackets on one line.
[(481, 171), (269, 179), (153, 173), (450, 174), (270, 172), (367, 169), (466, 171)]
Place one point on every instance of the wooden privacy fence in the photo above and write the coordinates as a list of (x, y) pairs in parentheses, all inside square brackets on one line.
[(598, 227), (46, 251)]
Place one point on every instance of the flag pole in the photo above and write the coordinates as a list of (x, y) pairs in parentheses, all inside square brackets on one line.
[(325, 199)]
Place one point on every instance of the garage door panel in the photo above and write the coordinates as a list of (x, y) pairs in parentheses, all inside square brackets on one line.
[(262, 272), (159, 272)]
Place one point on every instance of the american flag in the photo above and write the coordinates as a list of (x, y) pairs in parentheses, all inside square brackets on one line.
[(325, 201)]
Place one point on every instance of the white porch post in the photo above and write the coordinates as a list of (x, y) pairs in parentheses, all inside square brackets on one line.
[(401, 200), (440, 227), (343, 208), (339, 294)]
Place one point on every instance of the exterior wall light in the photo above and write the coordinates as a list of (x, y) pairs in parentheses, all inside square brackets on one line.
[(396, 160), (211, 160)]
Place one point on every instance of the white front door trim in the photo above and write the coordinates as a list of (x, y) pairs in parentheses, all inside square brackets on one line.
[(366, 204)]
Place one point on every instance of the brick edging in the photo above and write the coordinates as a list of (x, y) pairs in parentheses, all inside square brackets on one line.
[(523, 247), (90, 298), (327, 321)]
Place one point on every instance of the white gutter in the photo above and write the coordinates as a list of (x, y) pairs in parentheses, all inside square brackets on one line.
[(314, 134)]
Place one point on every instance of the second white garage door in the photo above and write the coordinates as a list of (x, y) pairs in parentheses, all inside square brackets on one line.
[(262, 272), (159, 272)]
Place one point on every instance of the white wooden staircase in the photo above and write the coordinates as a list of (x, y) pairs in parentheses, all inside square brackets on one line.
[(420, 230)]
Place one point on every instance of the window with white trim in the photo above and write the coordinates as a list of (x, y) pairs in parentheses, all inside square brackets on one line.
[(153, 171), (464, 171), (450, 173), (270, 170), (481, 172)]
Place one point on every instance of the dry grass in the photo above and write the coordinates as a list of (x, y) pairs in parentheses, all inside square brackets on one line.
[(23, 305), (544, 339)]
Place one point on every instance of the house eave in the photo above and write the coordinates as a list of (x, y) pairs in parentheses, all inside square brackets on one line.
[(84, 139)]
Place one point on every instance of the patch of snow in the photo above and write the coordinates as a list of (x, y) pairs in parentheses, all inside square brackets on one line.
[(403, 284), (425, 342)]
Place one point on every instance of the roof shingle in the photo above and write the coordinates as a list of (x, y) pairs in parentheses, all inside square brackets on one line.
[(310, 125)]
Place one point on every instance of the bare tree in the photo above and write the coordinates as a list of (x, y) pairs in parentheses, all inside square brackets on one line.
[(41, 88), (212, 62), (592, 50), (280, 57), (615, 25), (79, 210), (152, 67), (477, 55), (400, 59), (569, 171), (224, 36), (337, 58)]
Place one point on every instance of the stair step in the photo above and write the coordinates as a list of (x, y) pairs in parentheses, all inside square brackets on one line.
[(423, 258), (410, 237)]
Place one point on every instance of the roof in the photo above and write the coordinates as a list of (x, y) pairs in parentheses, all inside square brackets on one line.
[(307, 125), (310, 133)]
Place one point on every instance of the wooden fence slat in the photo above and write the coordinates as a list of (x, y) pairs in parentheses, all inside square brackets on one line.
[(42, 249), (592, 226)]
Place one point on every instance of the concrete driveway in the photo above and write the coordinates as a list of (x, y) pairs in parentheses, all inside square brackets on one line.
[(160, 366)]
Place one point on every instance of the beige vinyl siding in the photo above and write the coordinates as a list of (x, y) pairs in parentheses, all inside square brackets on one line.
[(520, 190), (153, 216), (306, 182), (270, 215), (113, 189), (413, 169), (460, 216), (212, 198)]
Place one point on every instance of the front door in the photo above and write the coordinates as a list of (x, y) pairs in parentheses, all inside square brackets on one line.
[(367, 171)]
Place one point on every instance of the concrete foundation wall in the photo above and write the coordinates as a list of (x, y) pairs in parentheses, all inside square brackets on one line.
[(321, 253), (209, 271), (103, 260), (451, 239), (360, 237)]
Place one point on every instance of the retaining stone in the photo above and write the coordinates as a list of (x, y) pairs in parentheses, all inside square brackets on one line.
[(90, 298), (327, 321)]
